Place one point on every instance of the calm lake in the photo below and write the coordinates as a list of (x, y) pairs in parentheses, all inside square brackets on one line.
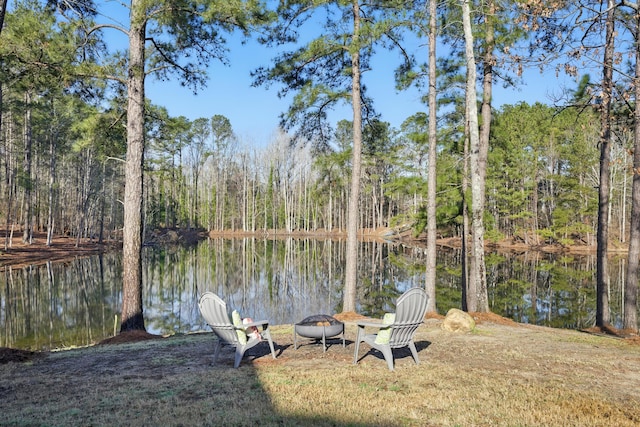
[(78, 302)]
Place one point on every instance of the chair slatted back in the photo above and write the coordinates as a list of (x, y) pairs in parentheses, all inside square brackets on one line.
[(411, 308), (214, 311)]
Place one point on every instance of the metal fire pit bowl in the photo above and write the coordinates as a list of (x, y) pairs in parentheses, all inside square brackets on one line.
[(318, 327)]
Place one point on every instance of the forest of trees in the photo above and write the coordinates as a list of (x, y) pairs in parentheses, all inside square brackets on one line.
[(73, 116)]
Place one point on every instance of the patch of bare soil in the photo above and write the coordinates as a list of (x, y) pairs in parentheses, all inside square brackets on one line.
[(14, 355), (130, 336)]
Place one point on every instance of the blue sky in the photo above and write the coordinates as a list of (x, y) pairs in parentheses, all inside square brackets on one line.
[(254, 111)]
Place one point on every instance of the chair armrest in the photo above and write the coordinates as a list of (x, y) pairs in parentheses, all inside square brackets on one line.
[(372, 323), (257, 323)]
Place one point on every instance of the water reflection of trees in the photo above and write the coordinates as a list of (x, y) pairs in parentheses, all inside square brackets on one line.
[(285, 280), (59, 305)]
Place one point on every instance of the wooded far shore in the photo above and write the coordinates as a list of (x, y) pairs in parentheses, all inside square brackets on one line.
[(17, 253)]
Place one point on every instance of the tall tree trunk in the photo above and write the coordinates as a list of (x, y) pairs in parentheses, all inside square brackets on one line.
[(10, 182), (487, 86), (27, 233), (2, 108), (487, 94), (103, 202), (630, 318), (430, 276), (3, 10), (602, 296), (52, 183), (351, 270), (132, 317), (468, 286), (7, 155), (478, 168)]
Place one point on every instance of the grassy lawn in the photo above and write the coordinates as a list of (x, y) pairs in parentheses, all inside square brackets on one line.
[(498, 375)]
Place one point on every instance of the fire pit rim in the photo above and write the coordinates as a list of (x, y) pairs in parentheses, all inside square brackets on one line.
[(312, 330)]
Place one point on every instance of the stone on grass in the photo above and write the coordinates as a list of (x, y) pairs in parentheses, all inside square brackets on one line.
[(458, 321)]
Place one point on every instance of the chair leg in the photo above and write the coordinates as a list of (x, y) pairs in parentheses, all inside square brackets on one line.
[(239, 354), (358, 340), (216, 350), (267, 334), (388, 356), (414, 352)]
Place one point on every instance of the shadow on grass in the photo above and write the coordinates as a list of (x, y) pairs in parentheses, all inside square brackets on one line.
[(174, 381), (256, 400), (308, 355), (398, 353)]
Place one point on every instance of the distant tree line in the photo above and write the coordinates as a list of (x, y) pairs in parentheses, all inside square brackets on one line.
[(542, 176)]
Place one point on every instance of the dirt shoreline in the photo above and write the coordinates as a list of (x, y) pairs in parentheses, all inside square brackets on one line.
[(15, 253)]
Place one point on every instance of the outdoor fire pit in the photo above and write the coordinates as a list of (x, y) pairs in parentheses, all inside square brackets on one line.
[(318, 327)]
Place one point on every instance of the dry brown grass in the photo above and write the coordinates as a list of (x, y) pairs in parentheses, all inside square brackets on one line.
[(499, 375)]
